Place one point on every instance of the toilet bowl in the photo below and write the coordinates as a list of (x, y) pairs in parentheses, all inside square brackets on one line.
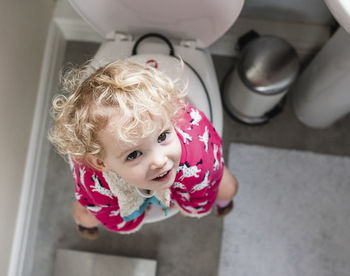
[(189, 26)]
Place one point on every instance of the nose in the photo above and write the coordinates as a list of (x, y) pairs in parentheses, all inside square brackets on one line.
[(159, 160)]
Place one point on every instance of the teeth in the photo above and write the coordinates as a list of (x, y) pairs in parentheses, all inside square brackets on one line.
[(162, 175)]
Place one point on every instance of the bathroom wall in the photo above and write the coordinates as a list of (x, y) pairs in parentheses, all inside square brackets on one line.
[(303, 11), (23, 30)]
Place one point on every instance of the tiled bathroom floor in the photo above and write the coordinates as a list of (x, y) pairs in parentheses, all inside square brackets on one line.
[(181, 246)]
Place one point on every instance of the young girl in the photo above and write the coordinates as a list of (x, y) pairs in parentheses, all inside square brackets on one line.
[(133, 142)]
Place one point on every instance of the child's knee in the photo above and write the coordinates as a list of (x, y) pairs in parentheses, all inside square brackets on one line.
[(82, 216), (77, 211), (228, 186), (234, 185)]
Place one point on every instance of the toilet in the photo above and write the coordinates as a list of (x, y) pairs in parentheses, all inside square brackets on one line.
[(156, 32)]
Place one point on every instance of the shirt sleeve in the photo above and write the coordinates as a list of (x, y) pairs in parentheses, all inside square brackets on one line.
[(196, 199), (201, 166), (92, 192)]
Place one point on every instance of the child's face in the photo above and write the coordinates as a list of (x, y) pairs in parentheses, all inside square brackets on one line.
[(151, 164)]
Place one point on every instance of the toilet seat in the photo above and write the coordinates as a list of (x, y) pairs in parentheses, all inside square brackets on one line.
[(186, 76)]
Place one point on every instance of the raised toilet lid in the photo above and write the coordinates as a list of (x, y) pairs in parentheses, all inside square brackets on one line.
[(202, 20)]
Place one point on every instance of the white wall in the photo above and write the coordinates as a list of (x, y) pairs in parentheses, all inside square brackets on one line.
[(23, 30), (303, 11)]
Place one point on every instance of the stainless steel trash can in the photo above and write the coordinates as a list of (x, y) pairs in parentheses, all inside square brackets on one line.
[(266, 68)]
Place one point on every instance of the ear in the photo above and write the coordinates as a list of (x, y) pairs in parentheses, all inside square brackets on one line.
[(96, 163)]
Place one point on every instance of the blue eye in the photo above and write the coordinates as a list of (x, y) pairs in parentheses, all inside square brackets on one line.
[(163, 137), (134, 155)]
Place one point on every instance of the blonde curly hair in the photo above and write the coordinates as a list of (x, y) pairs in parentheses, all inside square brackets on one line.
[(139, 92)]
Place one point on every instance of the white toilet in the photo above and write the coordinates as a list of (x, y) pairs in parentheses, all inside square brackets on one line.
[(189, 25)]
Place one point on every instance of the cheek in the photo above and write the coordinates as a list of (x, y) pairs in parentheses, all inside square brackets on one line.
[(176, 150), (113, 164), (135, 178), (133, 172)]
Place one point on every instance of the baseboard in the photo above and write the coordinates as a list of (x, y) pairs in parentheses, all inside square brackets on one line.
[(33, 186)]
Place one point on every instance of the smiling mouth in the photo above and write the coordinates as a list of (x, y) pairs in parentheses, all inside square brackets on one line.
[(162, 176)]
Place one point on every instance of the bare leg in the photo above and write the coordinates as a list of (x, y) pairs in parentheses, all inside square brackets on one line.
[(228, 186), (83, 217)]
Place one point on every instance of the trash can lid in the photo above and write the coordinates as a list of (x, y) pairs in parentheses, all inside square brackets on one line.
[(268, 65)]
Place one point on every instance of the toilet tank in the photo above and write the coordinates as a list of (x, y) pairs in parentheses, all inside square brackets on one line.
[(201, 20)]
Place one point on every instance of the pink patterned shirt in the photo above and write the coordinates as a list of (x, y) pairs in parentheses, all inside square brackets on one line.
[(196, 183)]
